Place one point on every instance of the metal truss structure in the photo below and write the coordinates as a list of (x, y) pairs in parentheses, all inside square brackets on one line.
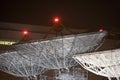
[(104, 63), (56, 53), (33, 58), (73, 73), (20, 65)]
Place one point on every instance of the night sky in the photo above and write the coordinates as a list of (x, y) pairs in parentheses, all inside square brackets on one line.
[(73, 13)]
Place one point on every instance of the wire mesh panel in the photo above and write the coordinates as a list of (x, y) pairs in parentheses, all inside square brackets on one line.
[(20, 65), (104, 63), (57, 52)]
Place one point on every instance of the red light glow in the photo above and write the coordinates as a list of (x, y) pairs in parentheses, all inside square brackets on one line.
[(100, 30), (56, 19), (25, 32)]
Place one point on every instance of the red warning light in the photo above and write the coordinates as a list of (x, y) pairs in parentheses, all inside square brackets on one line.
[(56, 20), (25, 32), (100, 30)]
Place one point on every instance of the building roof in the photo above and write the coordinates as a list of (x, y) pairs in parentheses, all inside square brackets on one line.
[(13, 31)]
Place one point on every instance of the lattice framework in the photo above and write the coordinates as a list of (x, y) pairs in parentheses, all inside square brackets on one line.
[(57, 52), (104, 63), (20, 65)]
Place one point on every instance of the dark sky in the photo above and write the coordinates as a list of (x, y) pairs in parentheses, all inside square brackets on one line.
[(73, 13)]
